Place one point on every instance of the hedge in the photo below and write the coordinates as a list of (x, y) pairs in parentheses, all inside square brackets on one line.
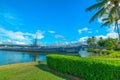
[(86, 68)]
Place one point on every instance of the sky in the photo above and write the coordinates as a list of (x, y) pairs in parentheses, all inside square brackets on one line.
[(54, 21)]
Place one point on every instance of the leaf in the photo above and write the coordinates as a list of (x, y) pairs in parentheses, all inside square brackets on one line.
[(107, 23), (99, 13), (95, 6)]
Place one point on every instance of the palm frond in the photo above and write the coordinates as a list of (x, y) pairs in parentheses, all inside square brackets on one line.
[(95, 6), (112, 11), (103, 12), (99, 13), (105, 19), (107, 23), (101, 0), (119, 10)]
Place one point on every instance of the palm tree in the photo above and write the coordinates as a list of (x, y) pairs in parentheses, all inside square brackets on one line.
[(101, 42), (91, 41), (111, 8), (109, 21)]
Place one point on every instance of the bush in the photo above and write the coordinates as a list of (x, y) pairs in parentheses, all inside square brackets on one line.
[(99, 51), (87, 68), (114, 54)]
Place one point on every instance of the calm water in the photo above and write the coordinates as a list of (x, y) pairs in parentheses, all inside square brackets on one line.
[(10, 57)]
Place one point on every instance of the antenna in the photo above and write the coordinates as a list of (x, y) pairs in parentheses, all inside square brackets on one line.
[(35, 42)]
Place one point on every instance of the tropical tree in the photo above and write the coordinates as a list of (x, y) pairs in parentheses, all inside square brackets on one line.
[(110, 8), (109, 21), (110, 43), (101, 42), (91, 41)]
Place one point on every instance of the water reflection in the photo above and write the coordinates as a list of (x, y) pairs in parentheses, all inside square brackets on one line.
[(34, 56), (83, 52), (9, 57)]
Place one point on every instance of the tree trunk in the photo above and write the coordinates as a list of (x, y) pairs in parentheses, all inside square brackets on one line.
[(116, 24)]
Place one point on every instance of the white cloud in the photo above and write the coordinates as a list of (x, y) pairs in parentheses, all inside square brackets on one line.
[(108, 35), (79, 31), (82, 30), (18, 42), (85, 29), (100, 18), (39, 34), (8, 36), (111, 29), (83, 39), (112, 35), (12, 35), (59, 36), (52, 32), (97, 37)]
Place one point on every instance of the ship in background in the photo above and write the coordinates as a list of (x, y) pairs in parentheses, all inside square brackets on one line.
[(36, 47)]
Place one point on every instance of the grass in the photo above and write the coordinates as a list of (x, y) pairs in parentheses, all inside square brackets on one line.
[(27, 71), (40, 71)]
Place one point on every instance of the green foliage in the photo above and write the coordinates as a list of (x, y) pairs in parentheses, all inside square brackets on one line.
[(100, 51), (111, 11), (117, 49), (91, 41), (114, 54), (101, 42), (111, 43), (105, 53), (86, 68), (103, 8)]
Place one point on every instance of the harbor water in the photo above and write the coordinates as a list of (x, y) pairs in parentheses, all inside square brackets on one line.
[(11, 57)]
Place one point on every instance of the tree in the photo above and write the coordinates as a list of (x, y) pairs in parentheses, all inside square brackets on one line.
[(91, 41), (110, 8), (110, 43), (109, 21), (101, 42)]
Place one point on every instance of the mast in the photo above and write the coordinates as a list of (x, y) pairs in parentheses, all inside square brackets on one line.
[(35, 40)]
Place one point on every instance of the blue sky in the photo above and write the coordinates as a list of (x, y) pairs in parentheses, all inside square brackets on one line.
[(53, 21)]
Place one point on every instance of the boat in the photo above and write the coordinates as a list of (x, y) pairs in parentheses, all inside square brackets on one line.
[(35, 47)]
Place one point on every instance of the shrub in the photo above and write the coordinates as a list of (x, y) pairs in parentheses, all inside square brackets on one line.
[(87, 68), (114, 54), (99, 51)]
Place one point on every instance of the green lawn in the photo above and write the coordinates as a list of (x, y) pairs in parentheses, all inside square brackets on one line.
[(27, 71)]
